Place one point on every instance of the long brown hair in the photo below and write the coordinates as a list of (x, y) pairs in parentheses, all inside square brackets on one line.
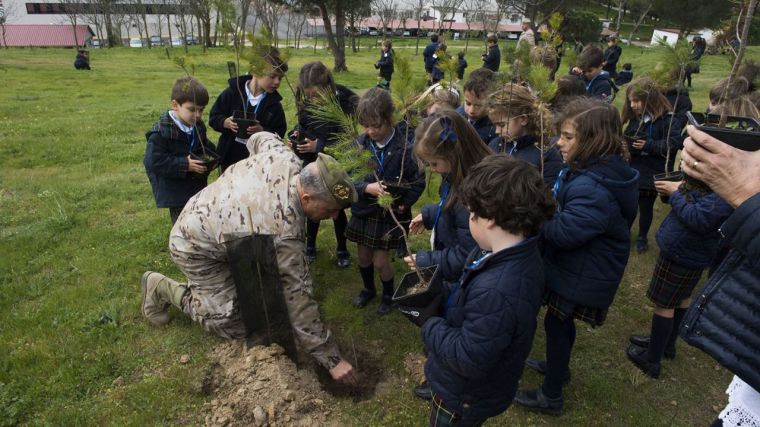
[(515, 100), (313, 74), (462, 153), (646, 90), (598, 130)]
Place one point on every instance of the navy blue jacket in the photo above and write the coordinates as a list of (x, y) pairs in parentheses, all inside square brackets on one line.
[(461, 65), (483, 126), (650, 160), (391, 156), (689, 234), (525, 148), (722, 319), (492, 59), (324, 132), (611, 56), (427, 54), (599, 86), (682, 106), (385, 64), (166, 162), (587, 243), (476, 353), (453, 241), (269, 113)]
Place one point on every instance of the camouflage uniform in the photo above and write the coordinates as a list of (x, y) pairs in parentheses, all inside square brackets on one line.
[(254, 196)]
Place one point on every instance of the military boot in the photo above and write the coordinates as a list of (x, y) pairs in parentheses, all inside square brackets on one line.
[(159, 292)]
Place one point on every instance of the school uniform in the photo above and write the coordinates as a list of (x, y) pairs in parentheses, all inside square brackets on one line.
[(385, 65), (477, 349), (266, 108), (428, 54), (461, 66), (526, 148), (483, 126), (660, 135), (624, 77), (611, 57), (599, 86), (492, 59), (681, 102), (371, 225)]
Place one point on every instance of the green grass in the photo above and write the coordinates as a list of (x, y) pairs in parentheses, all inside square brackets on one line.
[(78, 227)]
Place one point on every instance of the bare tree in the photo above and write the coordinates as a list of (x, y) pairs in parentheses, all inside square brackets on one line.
[(386, 11), (474, 11), (446, 8), (619, 16), (269, 12), (72, 12), (647, 6), (8, 14)]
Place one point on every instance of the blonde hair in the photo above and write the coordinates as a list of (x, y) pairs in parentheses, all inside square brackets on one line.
[(514, 100)]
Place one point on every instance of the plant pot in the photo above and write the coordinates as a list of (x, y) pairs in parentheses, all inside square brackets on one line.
[(673, 176), (740, 132), (209, 158), (397, 189), (422, 297), (243, 124)]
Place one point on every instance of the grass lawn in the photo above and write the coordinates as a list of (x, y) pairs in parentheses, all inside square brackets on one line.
[(78, 227)]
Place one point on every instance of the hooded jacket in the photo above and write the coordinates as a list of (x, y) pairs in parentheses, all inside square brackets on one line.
[(385, 65), (268, 112), (525, 148), (492, 59), (165, 161), (650, 160), (587, 242)]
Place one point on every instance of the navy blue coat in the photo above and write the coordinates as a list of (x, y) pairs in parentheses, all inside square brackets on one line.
[(689, 234), (453, 241), (650, 160), (461, 66), (269, 113), (427, 55), (385, 65), (166, 162), (681, 105), (492, 59), (524, 148), (476, 353), (587, 243), (599, 86), (483, 126), (391, 156), (611, 57)]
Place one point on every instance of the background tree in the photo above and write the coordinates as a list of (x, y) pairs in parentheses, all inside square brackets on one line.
[(72, 10), (356, 12), (336, 38), (8, 14), (580, 26), (386, 11), (642, 7), (693, 14)]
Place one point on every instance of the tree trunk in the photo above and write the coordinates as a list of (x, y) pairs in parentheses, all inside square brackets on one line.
[(169, 27), (749, 12), (638, 23), (145, 24), (619, 17), (336, 44)]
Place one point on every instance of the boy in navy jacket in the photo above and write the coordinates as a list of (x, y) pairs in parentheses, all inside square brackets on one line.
[(476, 348), (475, 109), (598, 83), (176, 146), (492, 58), (385, 65)]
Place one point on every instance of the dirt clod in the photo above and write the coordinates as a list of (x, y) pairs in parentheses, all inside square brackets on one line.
[(184, 359)]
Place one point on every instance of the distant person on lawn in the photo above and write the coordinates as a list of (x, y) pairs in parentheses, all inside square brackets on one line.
[(492, 58)]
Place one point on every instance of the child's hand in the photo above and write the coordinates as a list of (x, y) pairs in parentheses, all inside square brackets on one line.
[(375, 189), (639, 144), (195, 165), (229, 123), (416, 226), (254, 129), (666, 188), (308, 146), (411, 261)]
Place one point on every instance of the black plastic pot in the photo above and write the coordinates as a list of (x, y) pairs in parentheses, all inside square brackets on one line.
[(673, 176), (740, 132), (421, 299), (243, 124), (210, 159), (397, 189)]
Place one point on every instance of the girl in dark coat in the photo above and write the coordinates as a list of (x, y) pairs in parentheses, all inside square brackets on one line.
[(312, 135), (653, 135), (385, 65), (587, 243)]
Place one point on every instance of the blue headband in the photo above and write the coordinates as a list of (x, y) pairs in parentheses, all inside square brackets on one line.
[(447, 134)]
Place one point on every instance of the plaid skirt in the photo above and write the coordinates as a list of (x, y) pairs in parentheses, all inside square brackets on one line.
[(563, 308), (377, 231), (671, 283)]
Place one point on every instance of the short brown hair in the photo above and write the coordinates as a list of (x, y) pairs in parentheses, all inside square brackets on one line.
[(598, 130), (272, 57), (189, 89), (509, 191), (492, 38), (480, 82), (375, 107), (646, 90), (590, 57)]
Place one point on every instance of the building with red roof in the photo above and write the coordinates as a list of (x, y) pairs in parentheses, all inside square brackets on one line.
[(47, 35)]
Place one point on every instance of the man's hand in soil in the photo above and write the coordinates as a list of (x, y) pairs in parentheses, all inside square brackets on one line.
[(195, 165), (343, 372), (419, 316)]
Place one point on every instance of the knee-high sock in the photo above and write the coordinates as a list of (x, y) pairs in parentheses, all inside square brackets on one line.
[(658, 337), (560, 337)]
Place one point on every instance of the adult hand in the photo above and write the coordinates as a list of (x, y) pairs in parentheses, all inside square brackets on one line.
[(308, 146), (732, 173), (416, 226), (374, 189), (666, 188), (411, 261), (419, 316), (229, 123), (639, 144), (195, 165), (343, 372)]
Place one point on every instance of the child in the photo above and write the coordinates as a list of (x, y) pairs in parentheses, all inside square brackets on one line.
[(312, 136), (476, 349), (598, 83), (461, 66), (519, 124), (587, 243), (476, 90), (451, 147), (653, 136), (568, 88), (258, 96), (436, 98), (492, 58), (688, 240), (625, 75), (611, 56), (385, 65), (437, 75), (371, 226), (175, 149), (428, 55), (82, 60)]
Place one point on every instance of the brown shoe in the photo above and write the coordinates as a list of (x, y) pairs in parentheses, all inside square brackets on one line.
[(154, 308)]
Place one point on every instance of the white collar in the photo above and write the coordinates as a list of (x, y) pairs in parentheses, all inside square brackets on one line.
[(253, 100), (182, 126)]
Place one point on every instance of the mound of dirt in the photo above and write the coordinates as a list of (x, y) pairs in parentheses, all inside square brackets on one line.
[(261, 386)]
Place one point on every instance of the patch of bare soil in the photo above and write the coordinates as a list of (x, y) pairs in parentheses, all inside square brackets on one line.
[(415, 365)]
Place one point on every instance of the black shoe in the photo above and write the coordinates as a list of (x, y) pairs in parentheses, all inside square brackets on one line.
[(423, 391), (364, 297), (536, 400), (344, 259), (311, 254), (638, 356), (642, 245), (643, 342), (540, 367), (385, 305)]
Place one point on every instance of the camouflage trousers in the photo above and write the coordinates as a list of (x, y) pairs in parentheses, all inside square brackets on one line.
[(211, 299)]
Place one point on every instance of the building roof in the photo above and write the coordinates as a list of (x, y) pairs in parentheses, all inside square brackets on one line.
[(411, 24), (46, 35)]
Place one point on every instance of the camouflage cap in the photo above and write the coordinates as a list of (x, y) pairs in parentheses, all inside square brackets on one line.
[(336, 180)]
